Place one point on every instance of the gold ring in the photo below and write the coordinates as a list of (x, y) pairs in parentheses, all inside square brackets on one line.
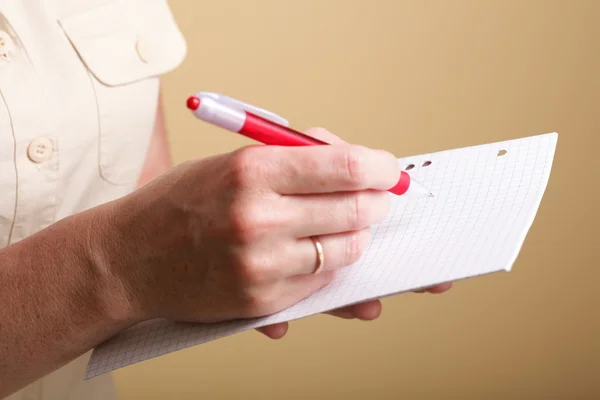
[(320, 255)]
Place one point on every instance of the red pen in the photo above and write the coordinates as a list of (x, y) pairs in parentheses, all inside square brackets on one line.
[(271, 129)]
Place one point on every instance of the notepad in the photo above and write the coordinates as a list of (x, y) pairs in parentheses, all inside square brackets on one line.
[(486, 199)]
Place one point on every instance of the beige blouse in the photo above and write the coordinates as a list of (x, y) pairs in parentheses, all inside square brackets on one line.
[(79, 82)]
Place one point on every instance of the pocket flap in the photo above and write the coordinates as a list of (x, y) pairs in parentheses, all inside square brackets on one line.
[(127, 40)]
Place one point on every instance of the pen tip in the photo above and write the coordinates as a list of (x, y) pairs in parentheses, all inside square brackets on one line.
[(431, 194)]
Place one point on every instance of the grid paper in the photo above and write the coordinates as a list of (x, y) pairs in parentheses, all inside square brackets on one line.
[(476, 224)]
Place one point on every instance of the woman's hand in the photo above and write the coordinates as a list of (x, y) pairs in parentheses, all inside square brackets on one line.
[(229, 236), (366, 311)]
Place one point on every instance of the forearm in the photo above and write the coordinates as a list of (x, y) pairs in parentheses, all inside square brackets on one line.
[(54, 303)]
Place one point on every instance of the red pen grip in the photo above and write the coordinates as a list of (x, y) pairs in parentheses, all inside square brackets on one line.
[(267, 132)]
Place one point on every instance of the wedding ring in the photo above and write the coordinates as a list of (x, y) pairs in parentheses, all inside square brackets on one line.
[(320, 255)]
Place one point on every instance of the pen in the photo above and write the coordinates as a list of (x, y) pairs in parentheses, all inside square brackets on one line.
[(271, 129)]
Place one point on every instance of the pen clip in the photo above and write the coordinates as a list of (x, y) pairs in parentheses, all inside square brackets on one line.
[(240, 105)]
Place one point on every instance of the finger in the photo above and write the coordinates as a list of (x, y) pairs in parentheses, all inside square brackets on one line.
[(326, 169), (324, 135), (275, 331), (339, 250), (444, 287), (366, 311), (335, 212), (272, 298), (441, 288)]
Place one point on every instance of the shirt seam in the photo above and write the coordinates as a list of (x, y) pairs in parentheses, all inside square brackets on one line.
[(13, 134)]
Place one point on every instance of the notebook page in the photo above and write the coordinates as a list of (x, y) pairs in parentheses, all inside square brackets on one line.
[(476, 224)]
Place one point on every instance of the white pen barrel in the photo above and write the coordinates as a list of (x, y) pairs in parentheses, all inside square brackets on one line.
[(218, 114)]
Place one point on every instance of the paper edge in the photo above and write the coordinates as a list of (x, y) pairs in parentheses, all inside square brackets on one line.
[(538, 203), (507, 268)]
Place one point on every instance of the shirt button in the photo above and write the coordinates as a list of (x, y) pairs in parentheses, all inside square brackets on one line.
[(40, 150), (6, 45)]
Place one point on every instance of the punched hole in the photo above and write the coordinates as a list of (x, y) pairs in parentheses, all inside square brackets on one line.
[(427, 163), (409, 167), (502, 152)]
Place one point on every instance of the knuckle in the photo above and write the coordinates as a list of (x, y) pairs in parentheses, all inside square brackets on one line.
[(253, 268), (250, 220), (366, 208), (356, 244), (249, 269), (244, 166), (352, 165), (358, 216), (244, 223)]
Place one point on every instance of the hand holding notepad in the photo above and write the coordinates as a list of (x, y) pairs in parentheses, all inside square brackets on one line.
[(486, 198)]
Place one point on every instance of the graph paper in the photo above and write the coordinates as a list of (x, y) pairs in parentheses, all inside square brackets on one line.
[(486, 198)]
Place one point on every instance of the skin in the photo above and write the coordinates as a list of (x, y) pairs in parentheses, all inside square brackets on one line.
[(159, 161), (200, 242)]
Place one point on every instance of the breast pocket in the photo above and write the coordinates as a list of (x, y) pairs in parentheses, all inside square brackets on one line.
[(125, 46)]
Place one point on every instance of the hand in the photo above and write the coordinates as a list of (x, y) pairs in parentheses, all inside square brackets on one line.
[(366, 311), (228, 236)]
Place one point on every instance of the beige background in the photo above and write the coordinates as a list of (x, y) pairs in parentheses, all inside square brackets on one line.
[(411, 77)]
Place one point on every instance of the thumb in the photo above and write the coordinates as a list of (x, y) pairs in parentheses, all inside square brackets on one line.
[(324, 135)]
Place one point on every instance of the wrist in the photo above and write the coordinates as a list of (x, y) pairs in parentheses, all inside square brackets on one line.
[(108, 258)]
